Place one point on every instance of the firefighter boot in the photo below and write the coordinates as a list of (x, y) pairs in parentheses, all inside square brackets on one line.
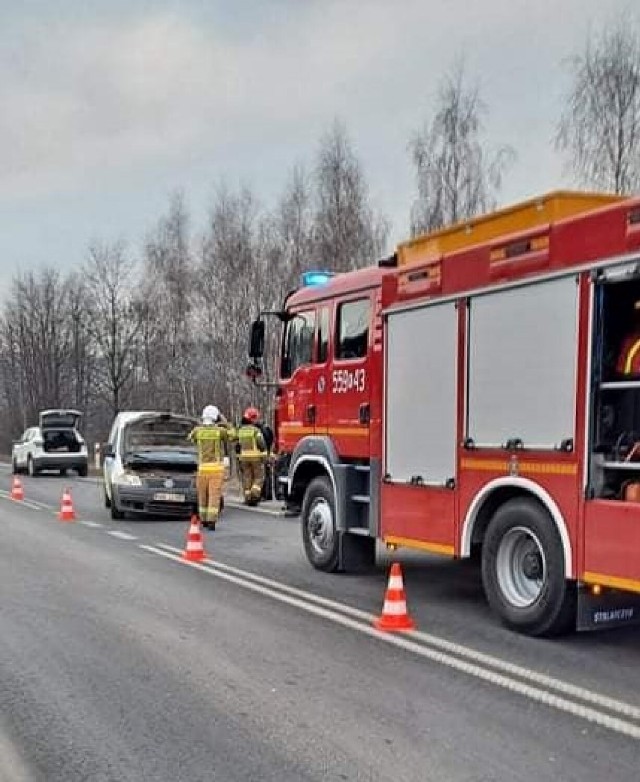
[(255, 494)]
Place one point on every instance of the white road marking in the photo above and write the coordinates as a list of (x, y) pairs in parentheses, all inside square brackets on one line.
[(121, 535), (239, 505), (603, 701), (442, 650), (448, 654), (33, 504)]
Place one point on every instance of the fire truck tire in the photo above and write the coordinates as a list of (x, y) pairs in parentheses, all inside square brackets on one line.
[(523, 571), (319, 535)]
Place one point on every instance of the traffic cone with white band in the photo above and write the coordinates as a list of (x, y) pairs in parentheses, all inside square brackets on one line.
[(394, 612), (194, 551), (17, 492), (67, 512)]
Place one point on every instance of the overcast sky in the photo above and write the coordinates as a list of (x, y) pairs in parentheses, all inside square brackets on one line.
[(108, 106)]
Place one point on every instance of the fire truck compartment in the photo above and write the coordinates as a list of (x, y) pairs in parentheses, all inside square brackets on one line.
[(420, 420), (612, 510), (522, 365), (615, 430)]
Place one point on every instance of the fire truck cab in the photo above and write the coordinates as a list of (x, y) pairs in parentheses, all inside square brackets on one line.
[(467, 396)]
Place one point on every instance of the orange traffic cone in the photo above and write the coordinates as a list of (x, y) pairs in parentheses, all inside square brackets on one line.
[(194, 552), (17, 492), (394, 612), (67, 512)]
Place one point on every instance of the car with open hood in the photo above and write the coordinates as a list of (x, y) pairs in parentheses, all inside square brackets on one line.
[(150, 465), (55, 444)]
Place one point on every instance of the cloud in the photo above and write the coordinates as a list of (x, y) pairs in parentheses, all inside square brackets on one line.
[(153, 93), (91, 101)]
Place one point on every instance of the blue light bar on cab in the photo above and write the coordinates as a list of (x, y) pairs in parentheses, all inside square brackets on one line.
[(315, 278)]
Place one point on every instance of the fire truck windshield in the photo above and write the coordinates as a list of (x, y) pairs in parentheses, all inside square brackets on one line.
[(297, 345)]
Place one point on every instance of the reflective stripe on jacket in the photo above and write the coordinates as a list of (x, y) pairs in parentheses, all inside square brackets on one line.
[(251, 441), (629, 359), (210, 441)]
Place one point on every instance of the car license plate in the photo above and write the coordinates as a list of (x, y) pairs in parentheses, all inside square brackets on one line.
[(168, 497)]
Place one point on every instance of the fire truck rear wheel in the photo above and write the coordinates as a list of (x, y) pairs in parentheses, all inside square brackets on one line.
[(319, 534), (523, 570)]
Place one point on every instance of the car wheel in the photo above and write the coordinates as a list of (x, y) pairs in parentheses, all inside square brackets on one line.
[(523, 571), (63, 471), (14, 466), (319, 534), (107, 501), (83, 471), (31, 467), (116, 513)]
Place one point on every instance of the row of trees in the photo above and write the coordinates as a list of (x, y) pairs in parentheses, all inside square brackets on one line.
[(168, 329)]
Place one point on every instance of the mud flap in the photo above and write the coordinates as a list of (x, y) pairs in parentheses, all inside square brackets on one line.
[(611, 608), (357, 553)]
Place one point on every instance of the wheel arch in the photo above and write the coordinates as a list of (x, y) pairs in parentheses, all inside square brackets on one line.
[(496, 493), (313, 457), (305, 469)]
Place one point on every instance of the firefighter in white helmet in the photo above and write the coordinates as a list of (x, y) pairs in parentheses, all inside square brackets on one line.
[(211, 438)]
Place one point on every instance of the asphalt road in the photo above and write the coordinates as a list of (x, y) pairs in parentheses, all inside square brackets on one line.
[(120, 662)]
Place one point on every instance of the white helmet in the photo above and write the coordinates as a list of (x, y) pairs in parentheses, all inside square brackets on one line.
[(210, 414)]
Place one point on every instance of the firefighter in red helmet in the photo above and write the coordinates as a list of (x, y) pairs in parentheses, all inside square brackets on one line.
[(628, 364), (252, 451)]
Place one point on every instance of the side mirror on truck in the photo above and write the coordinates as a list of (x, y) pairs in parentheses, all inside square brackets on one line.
[(256, 341)]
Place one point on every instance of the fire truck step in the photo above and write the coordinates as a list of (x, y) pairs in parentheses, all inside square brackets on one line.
[(362, 468), (359, 531), (363, 498)]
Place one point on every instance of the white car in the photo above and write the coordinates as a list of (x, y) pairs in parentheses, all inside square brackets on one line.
[(55, 444), (150, 465)]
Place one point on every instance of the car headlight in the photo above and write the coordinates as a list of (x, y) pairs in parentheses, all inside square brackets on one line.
[(129, 479)]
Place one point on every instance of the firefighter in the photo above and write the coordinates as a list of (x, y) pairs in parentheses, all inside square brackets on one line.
[(211, 438), (252, 452), (629, 357)]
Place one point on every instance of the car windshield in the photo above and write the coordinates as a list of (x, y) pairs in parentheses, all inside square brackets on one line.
[(157, 434)]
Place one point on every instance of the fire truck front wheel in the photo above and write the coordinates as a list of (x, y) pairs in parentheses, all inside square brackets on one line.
[(523, 570), (319, 534)]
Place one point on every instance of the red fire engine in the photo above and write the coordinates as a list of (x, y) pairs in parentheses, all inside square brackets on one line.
[(466, 397)]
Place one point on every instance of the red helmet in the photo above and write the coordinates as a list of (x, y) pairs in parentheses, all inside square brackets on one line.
[(252, 414)]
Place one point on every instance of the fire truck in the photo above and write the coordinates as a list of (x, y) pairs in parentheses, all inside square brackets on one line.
[(464, 397)]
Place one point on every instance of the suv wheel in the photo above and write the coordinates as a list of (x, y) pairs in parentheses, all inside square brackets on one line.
[(116, 513), (31, 467), (14, 466), (83, 471)]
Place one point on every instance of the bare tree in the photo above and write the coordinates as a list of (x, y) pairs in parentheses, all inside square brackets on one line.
[(290, 234), (38, 336), (45, 350), (117, 315), (457, 176), (81, 350), (168, 332), (230, 287), (347, 231), (599, 130)]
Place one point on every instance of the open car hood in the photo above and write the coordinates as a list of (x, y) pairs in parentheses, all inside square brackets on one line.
[(161, 460), (159, 439), (59, 419)]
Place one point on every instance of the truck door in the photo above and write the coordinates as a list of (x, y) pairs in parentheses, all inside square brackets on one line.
[(350, 380), (319, 373), (296, 417)]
